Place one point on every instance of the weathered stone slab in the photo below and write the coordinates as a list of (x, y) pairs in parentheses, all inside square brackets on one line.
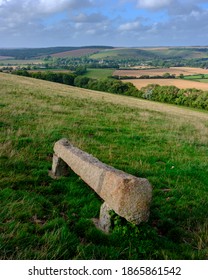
[(127, 195)]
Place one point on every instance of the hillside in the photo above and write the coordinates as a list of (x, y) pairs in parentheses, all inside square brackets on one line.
[(31, 53), (44, 218), (124, 53), (108, 52), (153, 53), (77, 52)]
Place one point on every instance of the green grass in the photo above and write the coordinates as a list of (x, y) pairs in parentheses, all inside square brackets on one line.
[(203, 80), (197, 78), (42, 218), (99, 73)]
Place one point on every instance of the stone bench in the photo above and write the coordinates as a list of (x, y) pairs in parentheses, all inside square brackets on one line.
[(127, 195)]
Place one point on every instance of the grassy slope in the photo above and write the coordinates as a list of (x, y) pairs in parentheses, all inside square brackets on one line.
[(43, 218), (148, 53)]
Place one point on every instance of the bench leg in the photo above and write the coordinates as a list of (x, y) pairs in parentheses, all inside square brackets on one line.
[(59, 167), (105, 219)]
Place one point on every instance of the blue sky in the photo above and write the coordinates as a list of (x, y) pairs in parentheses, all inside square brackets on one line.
[(127, 23)]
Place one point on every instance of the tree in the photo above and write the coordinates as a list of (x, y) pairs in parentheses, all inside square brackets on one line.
[(80, 70), (82, 82), (68, 79)]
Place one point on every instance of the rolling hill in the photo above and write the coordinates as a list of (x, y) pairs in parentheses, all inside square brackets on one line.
[(31, 53), (153, 53), (109, 53), (42, 218)]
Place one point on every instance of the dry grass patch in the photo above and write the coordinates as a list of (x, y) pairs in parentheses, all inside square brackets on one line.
[(161, 71), (181, 84)]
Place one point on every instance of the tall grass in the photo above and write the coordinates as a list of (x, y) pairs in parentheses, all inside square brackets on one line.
[(42, 218)]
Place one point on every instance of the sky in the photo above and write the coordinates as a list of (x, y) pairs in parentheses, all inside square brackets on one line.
[(118, 23)]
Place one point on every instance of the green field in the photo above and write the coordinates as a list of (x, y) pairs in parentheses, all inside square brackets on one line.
[(198, 78), (203, 80), (42, 218), (99, 73)]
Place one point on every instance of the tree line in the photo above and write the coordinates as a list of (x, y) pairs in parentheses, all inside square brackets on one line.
[(77, 79)]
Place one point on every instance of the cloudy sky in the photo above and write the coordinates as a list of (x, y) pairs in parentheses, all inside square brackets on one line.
[(128, 23)]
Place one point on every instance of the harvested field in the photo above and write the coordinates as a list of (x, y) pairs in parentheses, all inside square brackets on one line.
[(5, 57), (179, 83), (76, 53), (160, 71)]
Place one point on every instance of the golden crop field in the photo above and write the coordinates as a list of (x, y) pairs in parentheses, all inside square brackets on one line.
[(160, 71), (179, 83)]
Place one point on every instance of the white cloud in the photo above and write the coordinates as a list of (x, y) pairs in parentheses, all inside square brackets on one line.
[(41, 6), (72, 22), (4, 2), (51, 6), (91, 31), (153, 4), (129, 26), (15, 13), (95, 17)]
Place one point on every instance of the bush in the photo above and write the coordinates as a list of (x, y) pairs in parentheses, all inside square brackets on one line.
[(170, 94), (82, 82)]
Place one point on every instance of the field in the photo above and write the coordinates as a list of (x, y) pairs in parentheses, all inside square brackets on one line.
[(161, 71), (5, 57), (200, 78), (42, 218), (22, 62), (76, 53), (99, 73), (179, 83)]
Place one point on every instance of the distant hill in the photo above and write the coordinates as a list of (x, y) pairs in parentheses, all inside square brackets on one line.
[(77, 52), (127, 53), (31, 53), (153, 53), (158, 56)]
